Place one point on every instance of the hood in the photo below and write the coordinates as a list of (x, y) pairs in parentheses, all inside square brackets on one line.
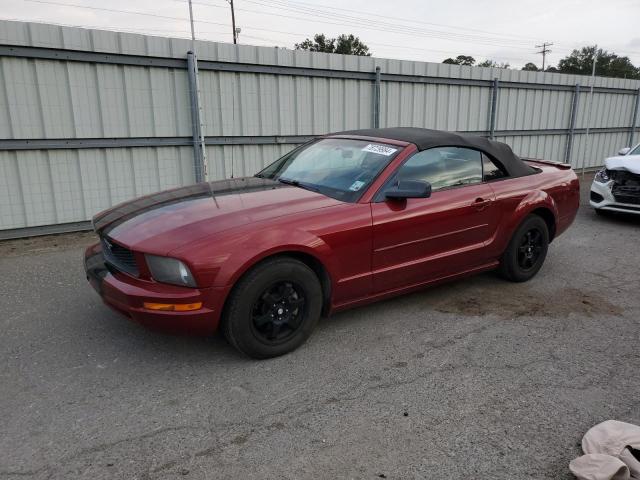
[(630, 163), (166, 220)]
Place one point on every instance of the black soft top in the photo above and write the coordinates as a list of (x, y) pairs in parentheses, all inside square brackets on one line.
[(424, 139)]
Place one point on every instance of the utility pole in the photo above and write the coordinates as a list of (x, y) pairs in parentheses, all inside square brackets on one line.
[(233, 22), (544, 51)]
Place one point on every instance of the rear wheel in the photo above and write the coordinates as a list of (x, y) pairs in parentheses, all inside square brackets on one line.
[(273, 308), (527, 250)]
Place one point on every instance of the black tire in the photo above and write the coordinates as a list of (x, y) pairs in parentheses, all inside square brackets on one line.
[(526, 251), (280, 295)]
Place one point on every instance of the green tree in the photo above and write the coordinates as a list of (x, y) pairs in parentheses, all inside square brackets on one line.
[(580, 62), (350, 45), (461, 60), (491, 63), (344, 44), (320, 43), (530, 67)]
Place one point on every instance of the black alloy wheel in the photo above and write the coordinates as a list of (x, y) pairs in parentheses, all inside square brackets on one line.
[(526, 251), (273, 308), (530, 248), (278, 313)]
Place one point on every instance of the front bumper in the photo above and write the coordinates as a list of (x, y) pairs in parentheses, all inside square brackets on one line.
[(602, 198), (127, 294)]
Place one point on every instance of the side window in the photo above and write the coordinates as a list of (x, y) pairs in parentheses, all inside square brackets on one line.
[(443, 167), (491, 170)]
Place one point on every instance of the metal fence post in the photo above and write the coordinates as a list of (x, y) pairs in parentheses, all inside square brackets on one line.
[(572, 123), (376, 100), (634, 121), (199, 151), (494, 107)]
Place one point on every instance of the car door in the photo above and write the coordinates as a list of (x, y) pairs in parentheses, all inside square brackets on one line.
[(419, 239)]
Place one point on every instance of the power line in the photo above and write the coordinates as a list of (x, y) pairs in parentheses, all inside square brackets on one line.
[(129, 12), (361, 15), (413, 21), (311, 7), (399, 47), (278, 4), (398, 29), (101, 27), (382, 26), (133, 12)]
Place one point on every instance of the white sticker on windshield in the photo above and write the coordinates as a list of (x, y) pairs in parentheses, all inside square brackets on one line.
[(380, 149), (357, 185)]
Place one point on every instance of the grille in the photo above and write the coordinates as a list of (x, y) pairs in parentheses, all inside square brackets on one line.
[(632, 199), (119, 257), (626, 187), (626, 194)]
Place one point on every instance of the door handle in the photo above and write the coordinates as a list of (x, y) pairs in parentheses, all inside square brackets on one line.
[(480, 204)]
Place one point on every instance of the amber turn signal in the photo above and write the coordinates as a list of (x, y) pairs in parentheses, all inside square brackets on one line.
[(173, 307)]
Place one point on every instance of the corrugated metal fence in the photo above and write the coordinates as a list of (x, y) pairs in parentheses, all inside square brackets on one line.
[(89, 118)]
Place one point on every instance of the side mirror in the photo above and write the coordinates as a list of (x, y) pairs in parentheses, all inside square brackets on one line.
[(409, 189), (624, 151)]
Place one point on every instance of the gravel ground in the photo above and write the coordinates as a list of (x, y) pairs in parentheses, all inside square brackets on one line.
[(475, 379)]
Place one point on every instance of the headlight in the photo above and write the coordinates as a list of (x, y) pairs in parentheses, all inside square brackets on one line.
[(170, 270), (602, 176)]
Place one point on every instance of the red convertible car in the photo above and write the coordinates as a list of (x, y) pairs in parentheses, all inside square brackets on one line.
[(344, 220)]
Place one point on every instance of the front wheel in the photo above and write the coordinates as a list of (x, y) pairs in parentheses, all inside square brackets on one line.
[(273, 308), (527, 250)]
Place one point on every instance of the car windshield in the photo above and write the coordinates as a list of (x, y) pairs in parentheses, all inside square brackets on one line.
[(337, 167), (635, 151)]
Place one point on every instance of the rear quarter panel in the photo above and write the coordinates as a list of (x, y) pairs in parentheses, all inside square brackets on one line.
[(555, 189)]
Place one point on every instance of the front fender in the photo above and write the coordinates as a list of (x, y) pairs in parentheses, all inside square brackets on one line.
[(275, 242), (223, 261)]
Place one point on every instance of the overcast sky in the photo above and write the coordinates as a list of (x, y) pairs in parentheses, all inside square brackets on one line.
[(427, 30)]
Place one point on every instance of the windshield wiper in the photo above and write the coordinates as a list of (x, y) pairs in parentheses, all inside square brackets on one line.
[(297, 183)]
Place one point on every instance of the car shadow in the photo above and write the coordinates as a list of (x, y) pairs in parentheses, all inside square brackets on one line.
[(128, 336), (214, 350), (138, 342), (423, 299)]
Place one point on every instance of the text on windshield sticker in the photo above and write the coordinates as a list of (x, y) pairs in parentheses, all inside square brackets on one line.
[(357, 185), (380, 149)]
